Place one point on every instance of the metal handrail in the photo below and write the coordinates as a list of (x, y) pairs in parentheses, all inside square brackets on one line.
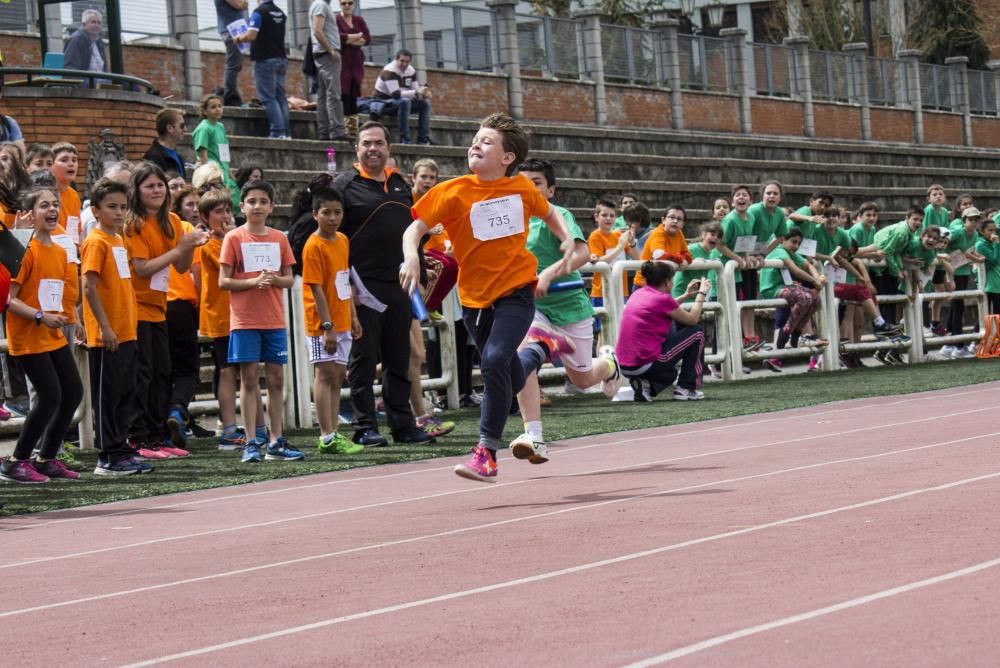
[(91, 77)]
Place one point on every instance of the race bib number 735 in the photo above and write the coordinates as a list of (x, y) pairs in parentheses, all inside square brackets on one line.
[(497, 218)]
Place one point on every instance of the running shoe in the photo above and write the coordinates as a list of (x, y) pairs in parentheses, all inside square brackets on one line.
[(149, 450), (643, 390), (482, 466), (948, 351), (751, 343), (887, 329), (715, 371), (282, 451), (774, 364), (251, 453), (177, 426), (435, 426), (880, 356), (525, 447), (684, 394), (813, 364), (68, 459), (894, 358), (55, 470), (610, 385), (340, 445), (171, 449), (21, 472), (551, 339), (939, 330), (18, 407), (5, 414), (122, 467), (234, 442)]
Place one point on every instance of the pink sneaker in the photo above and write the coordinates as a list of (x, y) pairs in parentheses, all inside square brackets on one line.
[(151, 451), (55, 470), (4, 413), (481, 466), (553, 340), (173, 450), (22, 472)]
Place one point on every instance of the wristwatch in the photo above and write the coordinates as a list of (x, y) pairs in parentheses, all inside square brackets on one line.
[(326, 326), (38, 317)]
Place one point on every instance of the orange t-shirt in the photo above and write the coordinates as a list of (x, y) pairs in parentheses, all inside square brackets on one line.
[(323, 262), (40, 262), (214, 307), (69, 213), (147, 244), (180, 287), (487, 222), (253, 308), (7, 217), (600, 243), (662, 246), (113, 289), (71, 292)]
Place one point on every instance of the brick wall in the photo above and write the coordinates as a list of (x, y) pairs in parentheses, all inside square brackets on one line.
[(78, 116), (945, 128), (546, 100), (711, 111), (633, 106), (776, 117), (840, 121), (892, 125), (986, 132)]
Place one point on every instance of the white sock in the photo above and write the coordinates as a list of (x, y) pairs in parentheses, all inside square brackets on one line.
[(534, 430), (328, 437), (879, 320)]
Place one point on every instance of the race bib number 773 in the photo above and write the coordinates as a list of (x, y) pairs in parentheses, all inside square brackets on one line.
[(497, 218)]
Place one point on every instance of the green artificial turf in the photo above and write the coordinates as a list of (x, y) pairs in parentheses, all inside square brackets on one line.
[(568, 417)]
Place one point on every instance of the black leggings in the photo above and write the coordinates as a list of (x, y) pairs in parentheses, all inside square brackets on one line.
[(59, 390)]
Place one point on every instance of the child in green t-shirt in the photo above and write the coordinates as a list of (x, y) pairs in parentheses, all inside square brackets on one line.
[(210, 142), (988, 246), (962, 255)]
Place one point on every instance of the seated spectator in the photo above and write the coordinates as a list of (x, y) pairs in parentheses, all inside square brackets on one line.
[(85, 49), (398, 90), (169, 133)]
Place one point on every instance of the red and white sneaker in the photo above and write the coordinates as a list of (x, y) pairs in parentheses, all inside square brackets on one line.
[(551, 339), (481, 466)]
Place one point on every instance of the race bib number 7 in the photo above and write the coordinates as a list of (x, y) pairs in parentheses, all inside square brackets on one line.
[(497, 218)]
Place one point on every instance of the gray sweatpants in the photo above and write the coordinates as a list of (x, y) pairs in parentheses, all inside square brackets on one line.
[(329, 106)]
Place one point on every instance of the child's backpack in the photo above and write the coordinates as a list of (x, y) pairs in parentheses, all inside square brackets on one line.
[(989, 345)]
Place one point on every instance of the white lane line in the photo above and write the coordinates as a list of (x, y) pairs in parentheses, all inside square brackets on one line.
[(478, 527), (780, 416), (542, 577), (471, 490), (813, 614)]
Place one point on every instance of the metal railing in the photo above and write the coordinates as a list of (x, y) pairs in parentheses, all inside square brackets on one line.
[(936, 87), (706, 63), (36, 76), (983, 98), (550, 45), (630, 54), (887, 82), (774, 70), (831, 75)]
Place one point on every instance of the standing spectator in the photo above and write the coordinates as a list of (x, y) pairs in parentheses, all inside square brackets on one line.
[(270, 64), (326, 52), (353, 36), (85, 49), (169, 133), (377, 205), (397, 87), (227, 11)]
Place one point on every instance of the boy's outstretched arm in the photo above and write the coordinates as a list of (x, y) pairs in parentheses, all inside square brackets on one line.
[(409, 272)]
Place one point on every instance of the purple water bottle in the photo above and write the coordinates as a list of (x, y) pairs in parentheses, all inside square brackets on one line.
[(331, 161)]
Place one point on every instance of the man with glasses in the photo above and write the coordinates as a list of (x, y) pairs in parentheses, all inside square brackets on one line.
[(85, 49), (170, 131)]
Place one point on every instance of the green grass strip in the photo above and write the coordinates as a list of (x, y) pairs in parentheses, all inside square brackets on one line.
[(568, 417)]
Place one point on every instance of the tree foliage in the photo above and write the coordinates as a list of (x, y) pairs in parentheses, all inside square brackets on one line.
[(946, 28), (620, 12), (829, 24)]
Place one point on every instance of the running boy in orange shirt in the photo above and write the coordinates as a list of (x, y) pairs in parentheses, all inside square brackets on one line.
[(109, 315), (256, 265), (331, 321), (486, 217)]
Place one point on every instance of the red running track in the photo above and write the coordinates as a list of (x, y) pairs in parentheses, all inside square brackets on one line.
[(856, 533)]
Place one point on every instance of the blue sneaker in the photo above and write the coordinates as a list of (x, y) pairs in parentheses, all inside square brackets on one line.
[(251, 453), (281, 450), (234, 442), (177, 426), (127, 466)]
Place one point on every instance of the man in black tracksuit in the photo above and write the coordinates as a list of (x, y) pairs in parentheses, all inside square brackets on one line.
[(376, 213)]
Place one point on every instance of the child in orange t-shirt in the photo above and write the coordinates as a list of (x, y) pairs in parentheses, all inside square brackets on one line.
[(666, 243), (255, 266), (182, 331), (486, 215), (110, 318), (608, 245), (35, 337), (331, 321), (67, 234), (155, 241), (215, 210)]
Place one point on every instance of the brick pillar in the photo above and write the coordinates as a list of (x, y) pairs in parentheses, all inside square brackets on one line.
[(593, 60), (802, 81), (670, 57), (413, 30), (740, 64), (912, 59), (858, 51), (510, 60), (184, 15), (960, 94)]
